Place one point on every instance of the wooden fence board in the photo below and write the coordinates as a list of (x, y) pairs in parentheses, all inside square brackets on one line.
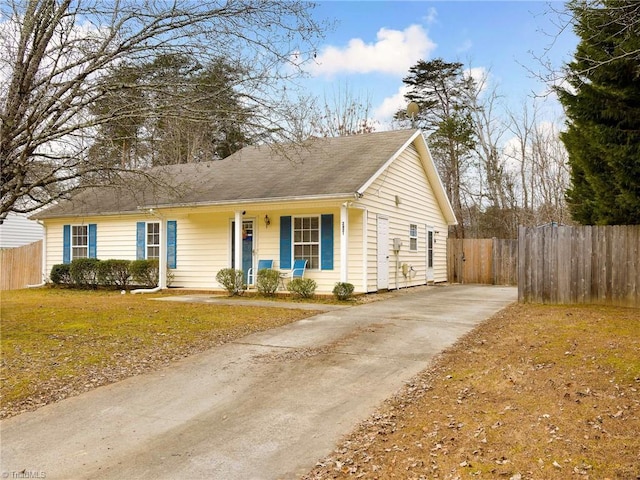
[(599, 264), (21, 266)]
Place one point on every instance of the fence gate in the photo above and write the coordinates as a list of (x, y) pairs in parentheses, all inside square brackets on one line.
[(489, 261)]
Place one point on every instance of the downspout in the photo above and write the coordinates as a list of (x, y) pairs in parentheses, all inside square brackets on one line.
[(44, 258), (344, 241)]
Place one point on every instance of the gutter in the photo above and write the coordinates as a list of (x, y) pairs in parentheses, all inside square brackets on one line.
[(314, 198), (223, 203)]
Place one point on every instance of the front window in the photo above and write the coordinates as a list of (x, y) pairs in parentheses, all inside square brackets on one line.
[(153, 240), (306, 240), (413, 237), (79, 241)]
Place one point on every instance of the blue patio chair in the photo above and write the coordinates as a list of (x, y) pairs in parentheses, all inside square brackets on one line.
[(262, 264), (299, 267)]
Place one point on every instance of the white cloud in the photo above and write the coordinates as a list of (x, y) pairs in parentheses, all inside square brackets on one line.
[(390, 105), (431, 16), (394, 52), (479, 74)]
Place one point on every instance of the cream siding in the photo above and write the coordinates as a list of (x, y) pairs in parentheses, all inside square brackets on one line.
[(116, 237), (204, 244), (355, 256), (203, 241), (204, 233), (406, 179)]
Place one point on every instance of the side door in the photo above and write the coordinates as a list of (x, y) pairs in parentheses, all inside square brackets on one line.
[(383, 253), (429, 244)]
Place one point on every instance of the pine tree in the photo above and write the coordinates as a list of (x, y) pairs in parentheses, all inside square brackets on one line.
[(443, 92), (602, 105)]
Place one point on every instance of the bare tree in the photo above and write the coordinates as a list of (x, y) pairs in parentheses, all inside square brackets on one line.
[(342, 113), (539, 157), (54, 52)]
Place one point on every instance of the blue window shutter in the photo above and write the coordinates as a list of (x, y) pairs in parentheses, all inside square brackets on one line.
[(285, 242), (141, 240), (93, 237), (172, 227), (66, 244), (326, 242)]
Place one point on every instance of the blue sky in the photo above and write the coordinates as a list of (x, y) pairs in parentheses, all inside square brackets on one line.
[(374, 43)]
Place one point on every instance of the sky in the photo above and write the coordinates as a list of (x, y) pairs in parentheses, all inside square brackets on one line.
[(374, 43)]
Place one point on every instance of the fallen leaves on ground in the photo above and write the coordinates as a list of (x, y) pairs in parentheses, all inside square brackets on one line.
[(536, 392)]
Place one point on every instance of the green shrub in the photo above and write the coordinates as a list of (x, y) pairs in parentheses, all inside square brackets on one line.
[(267, 281), (302, 287), (60, 274), (232, 280), (343, 290), (145, 272), (114, 273), (84, 272)]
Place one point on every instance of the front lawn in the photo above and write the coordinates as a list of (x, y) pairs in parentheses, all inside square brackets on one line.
[(57, 343)]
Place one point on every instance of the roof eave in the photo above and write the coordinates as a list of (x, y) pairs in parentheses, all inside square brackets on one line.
[(304, 198)]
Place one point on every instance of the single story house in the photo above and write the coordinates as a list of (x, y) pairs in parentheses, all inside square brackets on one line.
[(366, 209)]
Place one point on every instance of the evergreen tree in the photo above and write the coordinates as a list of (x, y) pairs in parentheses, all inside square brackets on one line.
[(602, 105), (171, 109), (443, 92)]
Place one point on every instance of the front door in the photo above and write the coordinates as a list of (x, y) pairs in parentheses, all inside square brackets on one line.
[(247, 246), (383, 253)]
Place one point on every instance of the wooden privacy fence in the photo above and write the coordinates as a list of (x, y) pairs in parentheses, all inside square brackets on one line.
[(21, 266), (490, 261), (580, 265)]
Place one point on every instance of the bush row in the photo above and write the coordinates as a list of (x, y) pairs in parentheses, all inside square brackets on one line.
[(267, 282), (120, 274)]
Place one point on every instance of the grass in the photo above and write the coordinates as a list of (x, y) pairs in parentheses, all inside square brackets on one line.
[(56, 343), (536, 392)]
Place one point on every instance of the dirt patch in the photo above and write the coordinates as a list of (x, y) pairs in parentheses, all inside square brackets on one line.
[(289, 354), (536, 392)]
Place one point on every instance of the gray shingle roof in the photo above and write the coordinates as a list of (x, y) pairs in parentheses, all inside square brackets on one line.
[(320, 167)]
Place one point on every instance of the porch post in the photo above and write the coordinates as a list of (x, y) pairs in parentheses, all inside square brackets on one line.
[(344, 242), (162, 261), (237, 260)]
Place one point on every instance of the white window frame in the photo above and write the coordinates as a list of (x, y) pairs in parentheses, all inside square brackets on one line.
[(313, 261), (79, 241), (413, 237), (152, 245)]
